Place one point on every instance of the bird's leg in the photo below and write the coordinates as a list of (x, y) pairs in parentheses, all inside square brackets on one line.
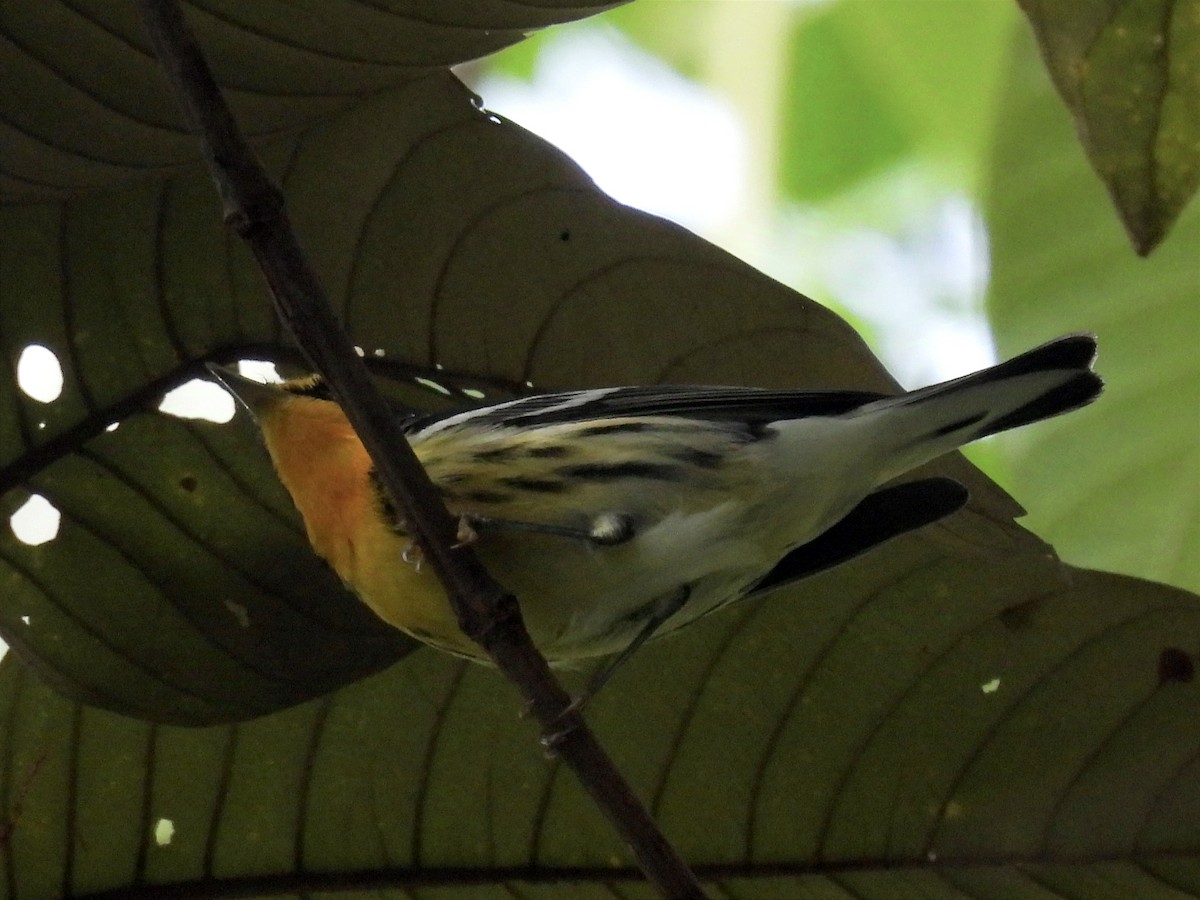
[(660, 612)]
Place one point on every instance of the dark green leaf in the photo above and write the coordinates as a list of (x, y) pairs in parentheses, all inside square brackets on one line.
[(103, 113), (1129, 71), (954, 713), (889, 738), (439, 231)]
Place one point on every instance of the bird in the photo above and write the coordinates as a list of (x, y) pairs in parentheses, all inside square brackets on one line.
[(620, 514)]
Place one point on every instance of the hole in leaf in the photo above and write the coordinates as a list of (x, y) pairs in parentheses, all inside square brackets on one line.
[(164, 832), (36, 522), (432, 385), (197, 399), (259, 370), (188, 483), (39, 374)]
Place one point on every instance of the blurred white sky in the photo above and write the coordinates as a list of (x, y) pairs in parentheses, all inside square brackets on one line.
[(659, 142)]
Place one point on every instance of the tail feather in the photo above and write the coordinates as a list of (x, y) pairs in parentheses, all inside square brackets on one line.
[(1079, 391), (1071, 351), (1046, 381)]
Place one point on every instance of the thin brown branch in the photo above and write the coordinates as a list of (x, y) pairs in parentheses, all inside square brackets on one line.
[(487, 613)]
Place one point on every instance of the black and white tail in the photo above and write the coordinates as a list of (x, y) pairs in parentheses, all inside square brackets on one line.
[(923, 424)]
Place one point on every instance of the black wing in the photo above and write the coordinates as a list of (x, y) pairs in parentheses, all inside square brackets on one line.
[(881, 516), (752, 406)]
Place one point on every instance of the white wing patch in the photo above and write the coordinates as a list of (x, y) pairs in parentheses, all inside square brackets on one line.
[(495, 413)]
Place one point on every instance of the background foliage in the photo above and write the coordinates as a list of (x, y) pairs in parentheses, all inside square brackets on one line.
[(957, 714)]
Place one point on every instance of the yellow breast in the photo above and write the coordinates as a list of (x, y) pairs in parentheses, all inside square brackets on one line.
[(325, 468)]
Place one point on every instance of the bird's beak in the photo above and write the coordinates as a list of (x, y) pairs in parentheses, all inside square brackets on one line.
[(256, 397)]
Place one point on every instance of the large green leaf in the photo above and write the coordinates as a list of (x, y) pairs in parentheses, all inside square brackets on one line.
[(958, 693), (886, 739), (1129, 71), (85, 105), (449, 239), (1060, 263)]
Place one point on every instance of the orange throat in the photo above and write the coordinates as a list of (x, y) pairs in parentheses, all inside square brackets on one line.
[(325, 468)]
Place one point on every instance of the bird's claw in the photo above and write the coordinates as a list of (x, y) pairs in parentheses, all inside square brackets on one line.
[(466, 534), (413, 555), (553, 736)]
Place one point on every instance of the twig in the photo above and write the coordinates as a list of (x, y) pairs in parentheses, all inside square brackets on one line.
[(487, 613)]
